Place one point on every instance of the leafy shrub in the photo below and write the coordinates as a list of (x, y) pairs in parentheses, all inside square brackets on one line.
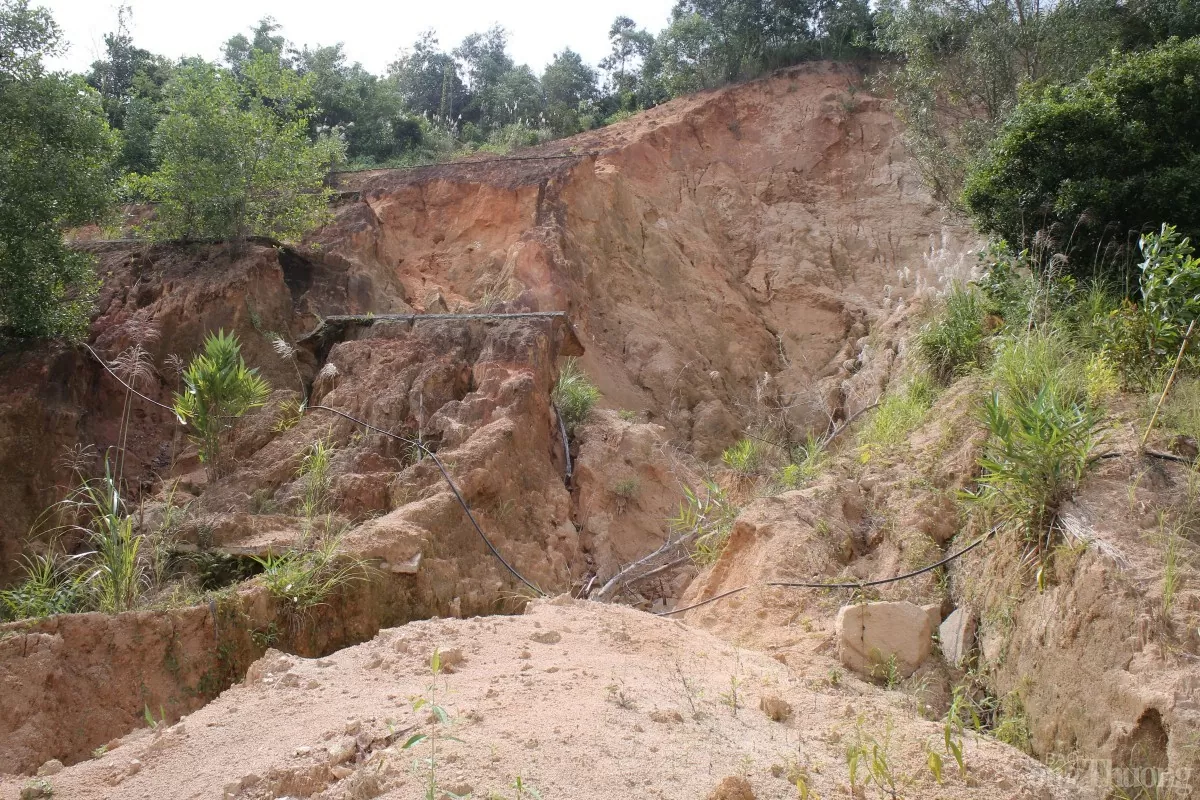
[(1143, 340), (219, 389), (1181, 410), (574, 394), (952, 343), (1098, 159), (47, 587), (1038, 450)]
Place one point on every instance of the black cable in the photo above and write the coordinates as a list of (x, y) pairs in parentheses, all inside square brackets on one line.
[(859, 585)]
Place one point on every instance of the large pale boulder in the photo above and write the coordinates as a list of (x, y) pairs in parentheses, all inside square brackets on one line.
[(957, 635), (870, 634)]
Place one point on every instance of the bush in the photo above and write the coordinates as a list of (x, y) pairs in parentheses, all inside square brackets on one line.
[(574, 395), (219, 390), (1143, 341), (1100, 160), (306, 578), (953, 342)]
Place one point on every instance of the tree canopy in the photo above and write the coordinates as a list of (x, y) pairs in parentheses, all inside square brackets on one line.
[(1100, 161), (56, 155), (235, 156)]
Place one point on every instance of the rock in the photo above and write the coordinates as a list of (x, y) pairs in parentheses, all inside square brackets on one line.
[(934, 610), (35, 789), (1184, 446), (957, 635), (775, 707), (342, 752), (452, 659), (51, 767), (870, 634), (732, 788)]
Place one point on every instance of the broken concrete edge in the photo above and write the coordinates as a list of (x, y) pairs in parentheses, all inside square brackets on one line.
[(335, 327)]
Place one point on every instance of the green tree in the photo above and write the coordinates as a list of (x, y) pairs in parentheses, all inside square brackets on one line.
[(1100, 161), (235, 157), (218, 389), (264, 38), (485, 57), (367, 110), (569, 86), (56, 153), (130, 81), (428, 79), (630, 46)]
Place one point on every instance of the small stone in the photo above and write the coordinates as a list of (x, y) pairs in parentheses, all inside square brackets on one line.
[(452, 659), (51, 767), (776, 708), (342, 752)]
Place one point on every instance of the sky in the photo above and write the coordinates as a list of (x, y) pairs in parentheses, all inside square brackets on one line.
[(373, 31)]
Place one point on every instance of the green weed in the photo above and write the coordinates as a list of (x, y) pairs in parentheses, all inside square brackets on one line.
[(574, 394), (953, 342)]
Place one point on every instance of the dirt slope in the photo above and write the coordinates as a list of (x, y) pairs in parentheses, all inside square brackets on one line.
[(738, 255), (580, 700)]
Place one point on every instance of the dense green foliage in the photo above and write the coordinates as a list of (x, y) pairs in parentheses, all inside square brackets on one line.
[(234, 156), (1099, 161), (56, 152)]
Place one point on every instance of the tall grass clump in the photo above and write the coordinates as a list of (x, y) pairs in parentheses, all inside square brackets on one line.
[(954, 341), (314, 474), (899, 413), (574, 394), (1039, 447), (305, 578), (745, 457), (705, 520)]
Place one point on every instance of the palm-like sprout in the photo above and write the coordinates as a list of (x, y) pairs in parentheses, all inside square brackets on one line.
[(219, 389)]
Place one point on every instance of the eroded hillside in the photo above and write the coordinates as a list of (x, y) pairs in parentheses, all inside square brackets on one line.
[(730, 260)]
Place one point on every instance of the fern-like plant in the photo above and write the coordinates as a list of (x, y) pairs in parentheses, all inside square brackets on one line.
[(218, 389)]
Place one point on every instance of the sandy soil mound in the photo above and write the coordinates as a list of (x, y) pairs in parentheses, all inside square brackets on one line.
[(580, 700)]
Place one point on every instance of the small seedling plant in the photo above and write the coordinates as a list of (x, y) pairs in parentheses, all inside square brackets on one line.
[(438, 716)]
